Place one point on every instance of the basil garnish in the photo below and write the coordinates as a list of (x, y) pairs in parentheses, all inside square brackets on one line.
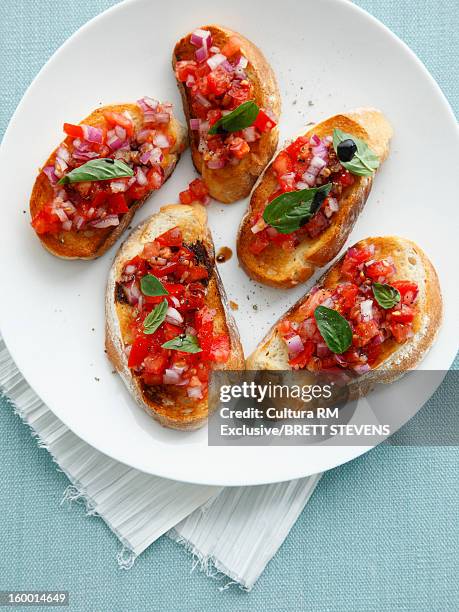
[(386, 295), (151, 286), (101, 169), (289, 211), (241, 117), (184, 343), (364, 162), (155, 318), (334, 329)]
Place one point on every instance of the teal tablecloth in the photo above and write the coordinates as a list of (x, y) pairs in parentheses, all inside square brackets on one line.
[(380, 534)]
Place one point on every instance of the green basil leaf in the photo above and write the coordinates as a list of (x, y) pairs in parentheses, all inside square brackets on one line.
[(241, 117), (151, 286), (334, 329), (386, 295), (187, 344), (155, 318), (101, 169), (364, 162), (289, 211)]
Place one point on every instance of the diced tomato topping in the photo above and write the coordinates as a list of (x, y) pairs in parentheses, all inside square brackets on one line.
[(231, 47), (114, 119), (263, 122), (46, 222), (117, 204), (303, 358), (172, 237), (239, 148), (259, 243), (364, 332), (139, 350), (218, 81), (347, 294), (401, 314), (220, 348), (75, 131), (379, 270), (346, 178), (185, 68), (197, 192), (282, 164), (240, 91), (401, 332), (408, 290)]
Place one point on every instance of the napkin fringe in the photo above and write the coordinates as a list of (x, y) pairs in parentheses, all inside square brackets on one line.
[(208, 564)]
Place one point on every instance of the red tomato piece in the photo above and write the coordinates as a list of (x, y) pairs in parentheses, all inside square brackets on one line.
[(403, 314), (401, 332), (263, 123), (117, 204), (364, 332), (302, 359), (114, 119), (220, 348), (239, 147), (172, 237), (139, 350), (379, 270), (75, 131), (259, 243), (282, 164), (408, 290), (46, 222), (185, 68), (218, 81)]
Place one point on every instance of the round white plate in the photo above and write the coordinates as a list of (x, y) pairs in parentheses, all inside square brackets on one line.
[(329, 57)]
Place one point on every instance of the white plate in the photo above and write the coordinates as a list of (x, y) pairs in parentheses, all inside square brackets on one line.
[(330, 53)]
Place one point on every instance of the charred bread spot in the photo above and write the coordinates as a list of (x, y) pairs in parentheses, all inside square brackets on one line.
[(120, 295), (152, 393)]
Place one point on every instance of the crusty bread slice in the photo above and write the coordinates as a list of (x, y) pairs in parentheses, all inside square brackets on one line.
[(168, 404), (91, 243), (232, 183), (396, 359), (279, 268)]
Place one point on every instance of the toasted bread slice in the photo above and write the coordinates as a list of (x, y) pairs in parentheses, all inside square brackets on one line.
[(232, 183), (280, 268), (91, 243), (396, 359), (168, 404)]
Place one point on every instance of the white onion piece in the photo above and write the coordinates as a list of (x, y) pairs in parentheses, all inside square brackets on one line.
[(259, 226), (106, 222), (328, 303), (175, 301), (130, 269), (366, 310), (120, 132), (63, 153), (215, 60), (140, 176), (118, 186), (194, 392), (250, 134), (173, 316), (171, 377), (190, 80), (243, 62), (78, 221), (61, 214), (161, 140)]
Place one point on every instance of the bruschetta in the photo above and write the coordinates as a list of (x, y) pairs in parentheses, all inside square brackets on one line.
[(308, 199), (371, 317), (167, 319), (232, 106), (90, 187)]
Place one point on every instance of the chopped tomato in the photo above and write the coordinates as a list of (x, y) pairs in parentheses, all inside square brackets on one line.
[(199, 189), (117, 204), (408, 290), (218, 81), (379, 270), (240, 91), (151, 249), (155, 178), (297, 146), (114, 119), (263, 122), (231, 47), (347, 294), (317, 224), (220, 348), (185, 197), (282, 164), (239, 148), (259, 243), (401, 332), (345, 178), (364, 332), (302, 359), (139, 350), (403, 314), (185, 68), (172, 237), (156, 364), (284, 326), (75, 131), (198, 273)]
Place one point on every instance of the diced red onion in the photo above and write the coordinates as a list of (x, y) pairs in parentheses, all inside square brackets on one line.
[(190, 80), (215, 60), (317, 163), (92, 134), (378, 339), (333, 204), (228, 66), (216, 164), (120, 132), (301, 185), (309, 328), (63, 153), (171, 377), (173, 316), (295, 345), (49, 171), (194, 124), (161, 140), (201, 38), (322, 350), (202, 100), (314, 140), (60, 166), (175, 301), (148, 104), (202, 54), (80, 155), (204, 127), (113, 140), (362, 368), (328, 303), (162, 118), (106, 222), (61, 214), (78, 221)]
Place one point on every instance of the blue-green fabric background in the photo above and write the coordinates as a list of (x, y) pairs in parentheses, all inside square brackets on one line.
[(379, 534)]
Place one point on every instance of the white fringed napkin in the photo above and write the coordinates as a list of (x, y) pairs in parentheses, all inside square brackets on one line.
[(235, 531)]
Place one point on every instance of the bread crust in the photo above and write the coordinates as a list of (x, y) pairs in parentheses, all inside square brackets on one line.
[(279, 268), (169, 404), (232, 183), (92, 243), (411, 263)]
